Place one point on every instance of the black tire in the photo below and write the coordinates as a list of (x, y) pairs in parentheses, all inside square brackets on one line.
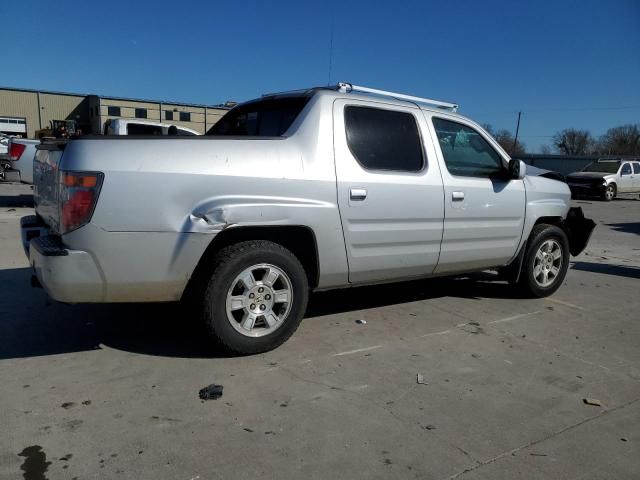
[(610, 192), (227, 265), (539, 235)]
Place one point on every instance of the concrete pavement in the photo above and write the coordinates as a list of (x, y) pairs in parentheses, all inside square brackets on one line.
[(111, 391)]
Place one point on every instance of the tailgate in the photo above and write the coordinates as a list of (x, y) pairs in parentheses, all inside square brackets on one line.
[(45, 181)]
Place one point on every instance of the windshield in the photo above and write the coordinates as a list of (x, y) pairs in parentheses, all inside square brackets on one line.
[(606, 167), (263, 118)]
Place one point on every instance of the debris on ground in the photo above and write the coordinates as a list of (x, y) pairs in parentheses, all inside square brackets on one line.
[(420, 379), (624, 439), (429, 427), (538, 454), (361, 322), (592, 401), (212, 392), (471, 327)]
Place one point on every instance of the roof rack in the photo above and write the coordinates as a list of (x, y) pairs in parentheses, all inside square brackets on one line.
[(345, 87)]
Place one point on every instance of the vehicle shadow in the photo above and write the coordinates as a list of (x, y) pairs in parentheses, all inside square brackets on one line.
[(31, 325), (630, 227), (608, 269), (474, 286)]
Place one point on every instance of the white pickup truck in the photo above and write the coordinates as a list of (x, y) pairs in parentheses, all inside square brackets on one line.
[(315, 189), (21, 154), (125, 126)]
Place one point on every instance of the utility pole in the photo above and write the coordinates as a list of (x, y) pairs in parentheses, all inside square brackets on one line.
[(515, 139)]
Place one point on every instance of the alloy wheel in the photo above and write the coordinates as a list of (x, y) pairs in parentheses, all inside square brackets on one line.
[(259, 300)]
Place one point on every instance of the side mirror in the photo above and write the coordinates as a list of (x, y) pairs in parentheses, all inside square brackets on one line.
[(517, 169)]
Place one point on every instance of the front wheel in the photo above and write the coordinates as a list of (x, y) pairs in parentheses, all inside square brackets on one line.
[(610, 192), (255, 298), (546, 261)]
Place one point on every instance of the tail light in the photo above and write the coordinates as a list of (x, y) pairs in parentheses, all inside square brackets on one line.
[(15, 150), (77, 198)]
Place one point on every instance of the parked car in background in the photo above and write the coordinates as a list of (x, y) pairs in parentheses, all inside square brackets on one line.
[(316, 189), (5, 163), (605, 178), (4, 144), (123, 126), (21, 154)]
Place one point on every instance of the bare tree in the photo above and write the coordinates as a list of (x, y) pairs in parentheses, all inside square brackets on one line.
[(623, 140), (573, 142), (545, 149), (506, 140)]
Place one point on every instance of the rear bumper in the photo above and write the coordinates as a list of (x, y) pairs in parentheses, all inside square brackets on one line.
[(70, 276), (92, 265)]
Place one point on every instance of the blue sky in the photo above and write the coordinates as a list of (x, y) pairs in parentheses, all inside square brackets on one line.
[(563, 63)]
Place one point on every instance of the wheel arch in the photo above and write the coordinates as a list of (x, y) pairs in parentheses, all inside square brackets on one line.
[(576, 227), (299, 239)]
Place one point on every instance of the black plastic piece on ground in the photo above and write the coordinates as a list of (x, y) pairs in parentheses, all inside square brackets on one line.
[(212, 392)]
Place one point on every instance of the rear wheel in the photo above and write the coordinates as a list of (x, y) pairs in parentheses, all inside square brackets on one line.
[(255, 298), (609, 192), (546, 261)]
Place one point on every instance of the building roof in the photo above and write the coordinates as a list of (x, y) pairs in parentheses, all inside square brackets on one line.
[(108, 97)]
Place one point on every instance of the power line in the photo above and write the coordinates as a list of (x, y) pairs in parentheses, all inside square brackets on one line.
[(583, 109), (577, 109)]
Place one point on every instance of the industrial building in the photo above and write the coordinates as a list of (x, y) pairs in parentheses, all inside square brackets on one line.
[(25, 112)]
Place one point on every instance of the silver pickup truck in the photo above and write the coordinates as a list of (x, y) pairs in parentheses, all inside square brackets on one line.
[(317, 189)]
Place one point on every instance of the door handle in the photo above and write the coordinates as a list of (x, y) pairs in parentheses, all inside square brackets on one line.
[(457, 196), (358, 194)]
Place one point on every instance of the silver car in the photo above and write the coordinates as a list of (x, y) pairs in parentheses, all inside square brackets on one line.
[(309, 190)]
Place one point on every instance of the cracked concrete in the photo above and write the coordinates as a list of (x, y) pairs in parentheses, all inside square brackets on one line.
[(112, 391)]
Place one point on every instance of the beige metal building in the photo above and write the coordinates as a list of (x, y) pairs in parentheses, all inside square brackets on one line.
[(24, 112)]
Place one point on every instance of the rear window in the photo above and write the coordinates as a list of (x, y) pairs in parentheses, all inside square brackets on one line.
[(142, 129), (263, 118)]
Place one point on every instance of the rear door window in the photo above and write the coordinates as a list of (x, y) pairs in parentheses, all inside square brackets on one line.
[(382, 139), (636, 168), (466, 153)]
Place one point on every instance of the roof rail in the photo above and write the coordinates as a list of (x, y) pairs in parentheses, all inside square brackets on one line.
[(345, 87)]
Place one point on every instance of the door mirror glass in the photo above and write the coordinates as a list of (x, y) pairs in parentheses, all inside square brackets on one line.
[(517, 169)]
